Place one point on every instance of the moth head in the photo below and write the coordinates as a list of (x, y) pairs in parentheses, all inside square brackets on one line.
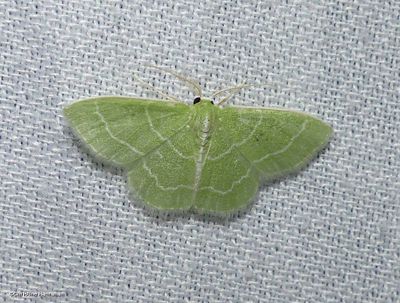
[(198, 100)]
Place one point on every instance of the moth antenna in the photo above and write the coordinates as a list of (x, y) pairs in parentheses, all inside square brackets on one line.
[(228, 97), (235, 90), (152, 88), (190, 83), (236, 87)]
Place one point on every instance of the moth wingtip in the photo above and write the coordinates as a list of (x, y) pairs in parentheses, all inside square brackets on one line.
[(67, 111)]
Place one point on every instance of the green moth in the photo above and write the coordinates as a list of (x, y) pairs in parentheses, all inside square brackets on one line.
[(201, 157)]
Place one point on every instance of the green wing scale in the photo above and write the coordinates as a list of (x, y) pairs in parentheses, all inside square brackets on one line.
[(275, 141), (117, 129), (201, 157)]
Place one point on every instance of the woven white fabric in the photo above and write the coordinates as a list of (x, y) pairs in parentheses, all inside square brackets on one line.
[(327, 234)]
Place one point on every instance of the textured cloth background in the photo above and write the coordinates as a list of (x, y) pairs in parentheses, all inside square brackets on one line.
[(327, 234)]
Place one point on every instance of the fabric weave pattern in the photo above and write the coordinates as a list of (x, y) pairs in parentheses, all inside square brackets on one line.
[(330, 233)]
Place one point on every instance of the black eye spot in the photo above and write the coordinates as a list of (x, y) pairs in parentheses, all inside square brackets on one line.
[(196, 100), (212, 102)]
